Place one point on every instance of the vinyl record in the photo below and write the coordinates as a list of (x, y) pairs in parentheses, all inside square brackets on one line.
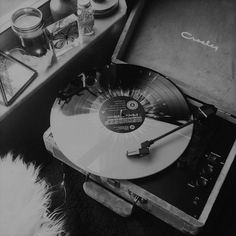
[(129, 105)]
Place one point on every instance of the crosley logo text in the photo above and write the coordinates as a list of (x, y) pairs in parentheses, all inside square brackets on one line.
[(207, 43)]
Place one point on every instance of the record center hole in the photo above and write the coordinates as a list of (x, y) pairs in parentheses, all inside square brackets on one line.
[(122, 113)]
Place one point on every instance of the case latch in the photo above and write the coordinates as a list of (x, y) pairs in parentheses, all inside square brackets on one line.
[(108, 198)]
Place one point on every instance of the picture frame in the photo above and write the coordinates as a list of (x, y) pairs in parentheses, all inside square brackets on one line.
[(15, 77)]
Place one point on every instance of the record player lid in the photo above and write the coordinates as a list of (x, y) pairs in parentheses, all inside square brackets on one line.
[(191, 42)]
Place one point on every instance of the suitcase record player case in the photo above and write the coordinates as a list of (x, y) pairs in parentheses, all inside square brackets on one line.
[(196, 50)]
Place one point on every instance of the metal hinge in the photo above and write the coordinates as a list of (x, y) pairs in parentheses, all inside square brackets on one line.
[(136, 198), (113, 182), (228, 116)]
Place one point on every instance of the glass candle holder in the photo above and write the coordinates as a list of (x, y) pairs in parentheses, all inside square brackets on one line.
[(28, 24)]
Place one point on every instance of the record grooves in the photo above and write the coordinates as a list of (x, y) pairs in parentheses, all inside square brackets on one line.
[(123, 106)]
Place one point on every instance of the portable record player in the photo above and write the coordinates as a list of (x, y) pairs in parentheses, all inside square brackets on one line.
[(156, 128)]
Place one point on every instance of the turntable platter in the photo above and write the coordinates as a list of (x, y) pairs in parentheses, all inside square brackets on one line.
[(95, 132)]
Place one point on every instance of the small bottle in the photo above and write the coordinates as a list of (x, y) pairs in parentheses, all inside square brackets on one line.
[(85, 17)]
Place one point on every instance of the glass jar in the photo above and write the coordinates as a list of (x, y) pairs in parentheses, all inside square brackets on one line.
[(85, 17), (28, 24)]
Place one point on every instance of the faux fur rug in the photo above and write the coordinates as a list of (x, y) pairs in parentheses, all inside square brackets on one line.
[(25, 200)]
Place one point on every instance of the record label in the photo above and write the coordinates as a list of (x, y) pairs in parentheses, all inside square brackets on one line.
[(122, 114)]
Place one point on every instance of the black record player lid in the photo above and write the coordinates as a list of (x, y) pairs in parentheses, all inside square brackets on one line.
[(193, 43)]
